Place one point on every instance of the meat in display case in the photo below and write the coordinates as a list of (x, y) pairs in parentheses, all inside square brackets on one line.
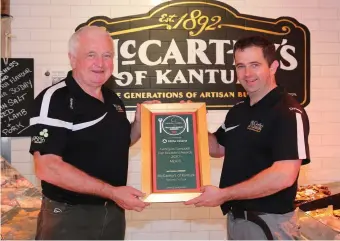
[(20, 204), (310, 193), (320, 224), (319, 214), (318, 208)]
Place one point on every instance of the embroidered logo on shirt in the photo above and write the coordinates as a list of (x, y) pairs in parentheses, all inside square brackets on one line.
[(118, 108), (41, 138), (255, 126), (228, 128), (44, 133), (71, 103)]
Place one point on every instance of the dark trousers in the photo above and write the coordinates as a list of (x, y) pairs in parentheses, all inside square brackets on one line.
[(86, 222)]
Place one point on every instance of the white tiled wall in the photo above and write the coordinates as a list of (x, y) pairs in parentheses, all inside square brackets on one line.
[(42, 28)]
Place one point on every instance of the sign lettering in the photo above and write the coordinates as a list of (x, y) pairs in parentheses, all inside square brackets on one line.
[(184, 50)]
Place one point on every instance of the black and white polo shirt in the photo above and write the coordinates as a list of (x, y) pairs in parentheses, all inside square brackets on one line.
[(91, 135), (274, 129)]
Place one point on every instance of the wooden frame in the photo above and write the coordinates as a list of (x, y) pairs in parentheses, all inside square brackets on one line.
[(202, 159)]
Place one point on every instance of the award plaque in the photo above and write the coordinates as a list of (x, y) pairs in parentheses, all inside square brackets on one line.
[(175, 152)]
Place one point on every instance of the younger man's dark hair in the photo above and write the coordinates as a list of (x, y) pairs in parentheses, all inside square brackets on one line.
[(268, 48)]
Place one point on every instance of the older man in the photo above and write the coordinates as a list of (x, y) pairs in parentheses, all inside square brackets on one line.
[(80, 143)]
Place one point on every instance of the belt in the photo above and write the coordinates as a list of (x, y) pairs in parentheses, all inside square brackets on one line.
[(92, 203), (104, 203), (255, 218)]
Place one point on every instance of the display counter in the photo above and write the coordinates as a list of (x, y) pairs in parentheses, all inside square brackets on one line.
[(319, 219), (321, 227), (319, 213), (20, 205)]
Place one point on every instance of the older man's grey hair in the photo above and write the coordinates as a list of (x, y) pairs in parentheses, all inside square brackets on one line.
[(73, 42)]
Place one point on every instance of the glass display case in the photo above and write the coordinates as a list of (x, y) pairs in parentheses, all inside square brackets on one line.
[(320, 219), (323, 227), (20, 204), (21, 201)]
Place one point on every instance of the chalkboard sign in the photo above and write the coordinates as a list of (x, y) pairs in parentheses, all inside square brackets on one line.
[(17, 95)]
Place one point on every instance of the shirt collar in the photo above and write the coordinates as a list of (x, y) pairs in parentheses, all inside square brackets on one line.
[(79, 92), (271, 98)]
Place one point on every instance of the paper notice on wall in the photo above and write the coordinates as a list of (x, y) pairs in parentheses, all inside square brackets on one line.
[(57, 76), (51, 77)]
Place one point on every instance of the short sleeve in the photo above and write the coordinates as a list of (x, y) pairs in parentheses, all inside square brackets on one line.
[(290, 137), (51, 120), (121, 103), (220, 134)]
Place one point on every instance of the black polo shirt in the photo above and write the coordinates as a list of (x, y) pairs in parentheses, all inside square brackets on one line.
[(88, 134), (274, 129)]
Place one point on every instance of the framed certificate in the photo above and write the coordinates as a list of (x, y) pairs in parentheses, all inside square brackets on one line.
[(175, 152)]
